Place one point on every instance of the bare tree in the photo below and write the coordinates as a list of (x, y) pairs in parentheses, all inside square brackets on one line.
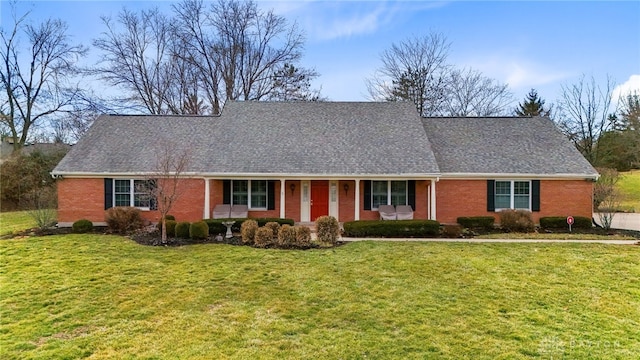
[(413, 70), (164, 182), (469, 93), (37, 83), (584, 114), (606, 197)]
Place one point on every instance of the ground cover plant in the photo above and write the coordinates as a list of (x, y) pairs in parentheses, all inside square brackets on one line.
[(629, 187), (360, 300)]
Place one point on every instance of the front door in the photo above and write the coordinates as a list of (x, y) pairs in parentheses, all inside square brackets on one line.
[(319, 198)]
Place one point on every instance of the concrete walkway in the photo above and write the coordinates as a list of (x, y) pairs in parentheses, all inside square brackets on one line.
[(475, 240)]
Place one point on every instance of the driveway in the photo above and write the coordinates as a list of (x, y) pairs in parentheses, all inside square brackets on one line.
[(627, 221)]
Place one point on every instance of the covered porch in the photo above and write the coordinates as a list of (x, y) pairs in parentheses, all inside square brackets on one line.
[(304, 199)]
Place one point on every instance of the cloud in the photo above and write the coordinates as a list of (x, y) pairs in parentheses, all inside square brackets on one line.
[(632, 84), (518, 73)]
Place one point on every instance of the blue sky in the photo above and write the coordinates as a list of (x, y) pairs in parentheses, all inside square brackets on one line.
[(527, 44)]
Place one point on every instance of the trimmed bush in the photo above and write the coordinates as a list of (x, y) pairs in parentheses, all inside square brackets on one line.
[(248, 231), (477, 222), (182, 229), (123, 219), (263, 237), (170, 217), (397, 228), (82, 226), (274, 226), (199, 230), (327, 229), (303, 236), (560, 222), (516, 221), (452, 231), (171, 228), (286, 235), (216, 227)]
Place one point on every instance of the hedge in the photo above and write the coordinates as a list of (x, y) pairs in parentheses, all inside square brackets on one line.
[(477, 222), (560, 222), (216, 227), (396, 228)]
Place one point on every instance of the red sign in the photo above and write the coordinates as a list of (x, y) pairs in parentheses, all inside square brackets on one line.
[(570, 220)]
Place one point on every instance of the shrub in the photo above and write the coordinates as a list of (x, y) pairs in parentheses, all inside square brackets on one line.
[(171, 228), (303, 236), (182, 229), (516, 221), (397, 228), (274, 226), (281, 221), (123, 219), (170, 217), (560, 222), (216, 227), (286, 235), (477, 222), (248, 231), (452, 231), (263, 237), (327, 229), (199, 230), (82, 226)]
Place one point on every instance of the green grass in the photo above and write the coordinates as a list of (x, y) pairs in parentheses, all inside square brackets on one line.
[(554, 236), (97, 296), (629, 186), (15, 221)]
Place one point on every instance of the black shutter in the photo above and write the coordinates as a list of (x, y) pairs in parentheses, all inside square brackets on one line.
[(367, 195), (226, 191), (535, 195), (108, 193), (271, 195), (411, 194), (153, 201), (491, 195)]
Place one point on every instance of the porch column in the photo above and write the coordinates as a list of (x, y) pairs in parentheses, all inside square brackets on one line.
[(357, 200), (432, 188), (282, 199), (206, 212)]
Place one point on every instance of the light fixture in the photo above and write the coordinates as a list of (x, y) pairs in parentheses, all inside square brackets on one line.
[(346, 188), (292, 187)]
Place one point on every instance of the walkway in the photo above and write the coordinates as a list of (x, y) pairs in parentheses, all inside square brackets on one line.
[(627, 221)]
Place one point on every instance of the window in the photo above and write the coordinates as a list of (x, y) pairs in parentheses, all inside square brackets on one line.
[(513, 195), (388, 193), (130, 192), (252, 193)]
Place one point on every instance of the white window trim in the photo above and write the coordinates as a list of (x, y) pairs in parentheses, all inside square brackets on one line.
[(132, 193), (512, 195), (406, 192), (249, 195)]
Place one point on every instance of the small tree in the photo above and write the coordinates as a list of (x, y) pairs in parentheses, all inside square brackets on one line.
[(164, 183), (606, 198)]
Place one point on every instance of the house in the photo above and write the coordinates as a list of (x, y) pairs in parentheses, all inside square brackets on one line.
[(301, 160)]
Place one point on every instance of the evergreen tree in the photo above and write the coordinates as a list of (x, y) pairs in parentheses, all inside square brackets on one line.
[(532, 106)]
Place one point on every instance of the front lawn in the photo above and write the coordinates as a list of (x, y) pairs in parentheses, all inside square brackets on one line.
[(629, 187), (74, 296), (15, 221)]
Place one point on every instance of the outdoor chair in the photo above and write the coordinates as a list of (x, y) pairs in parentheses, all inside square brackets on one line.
[(404, 212), (222, 211), (239, 211), (387, 212)]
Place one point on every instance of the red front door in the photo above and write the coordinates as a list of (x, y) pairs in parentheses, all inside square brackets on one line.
[(319, 198)]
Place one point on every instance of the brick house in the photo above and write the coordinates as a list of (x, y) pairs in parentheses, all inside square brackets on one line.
[(301, 160)]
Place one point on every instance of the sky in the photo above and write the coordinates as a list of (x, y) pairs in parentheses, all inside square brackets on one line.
[(526, 44)]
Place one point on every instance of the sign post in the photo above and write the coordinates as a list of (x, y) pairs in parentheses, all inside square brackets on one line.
[(570, 221)]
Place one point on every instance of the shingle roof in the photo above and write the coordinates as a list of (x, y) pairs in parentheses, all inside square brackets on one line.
[(509, 145), (304, 138)]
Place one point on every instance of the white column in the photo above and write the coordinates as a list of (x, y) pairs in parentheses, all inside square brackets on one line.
[(432, 214), (357, 200), (206, 212), (282, 198)]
